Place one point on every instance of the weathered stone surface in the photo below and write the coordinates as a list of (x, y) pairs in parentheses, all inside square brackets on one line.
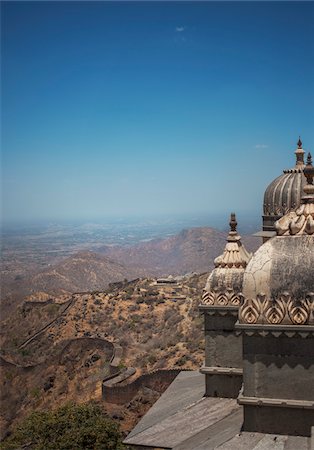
[(223, 349), (281, 368), (278, 284), (223, 385), (285, 421)]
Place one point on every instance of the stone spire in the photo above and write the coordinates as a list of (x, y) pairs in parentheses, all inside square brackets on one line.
[(301, 221), (224, 284), (299, 153), (235, 255)]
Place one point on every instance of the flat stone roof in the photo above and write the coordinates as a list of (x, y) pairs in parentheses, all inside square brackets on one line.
[(183, 419)]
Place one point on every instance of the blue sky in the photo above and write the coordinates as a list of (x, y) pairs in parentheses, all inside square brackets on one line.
[(140, 108)]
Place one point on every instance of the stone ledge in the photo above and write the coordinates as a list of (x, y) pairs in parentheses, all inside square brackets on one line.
[(221, 370), (275, 330), (276, 402), (221, 311)]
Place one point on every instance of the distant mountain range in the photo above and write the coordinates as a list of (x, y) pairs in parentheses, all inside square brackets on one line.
[(192, 250)]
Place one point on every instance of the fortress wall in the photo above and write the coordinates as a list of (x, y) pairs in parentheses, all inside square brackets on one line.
[(65, 306), (158, 380), (42, 303), (86, 343)]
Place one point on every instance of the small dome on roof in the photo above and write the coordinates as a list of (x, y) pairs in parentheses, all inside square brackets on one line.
[(285, 192), (224, 284)]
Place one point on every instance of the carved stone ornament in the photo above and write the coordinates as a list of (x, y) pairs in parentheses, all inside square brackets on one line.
[(300, 221), (297, 222), (283, 310), (235, 254), (225, 281), (222, 298)]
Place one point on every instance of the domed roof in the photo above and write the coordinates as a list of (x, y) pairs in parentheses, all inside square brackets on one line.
[(278, 283), (224, 284), (284, 193)]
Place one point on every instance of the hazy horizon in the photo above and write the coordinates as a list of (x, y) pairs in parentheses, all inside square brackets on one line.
[(247, 222), (147, 109)]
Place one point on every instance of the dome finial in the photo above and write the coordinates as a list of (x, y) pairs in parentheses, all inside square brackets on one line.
[(233, 223), (299, 153)]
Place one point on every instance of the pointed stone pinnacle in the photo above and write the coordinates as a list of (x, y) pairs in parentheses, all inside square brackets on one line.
[(233, 222)]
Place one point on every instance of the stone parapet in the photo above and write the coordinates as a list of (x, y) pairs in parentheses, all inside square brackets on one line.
[(223, 351), (278, 378)]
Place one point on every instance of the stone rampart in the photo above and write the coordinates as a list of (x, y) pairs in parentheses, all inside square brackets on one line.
[(157, 380), (86, 343), (67, 305)]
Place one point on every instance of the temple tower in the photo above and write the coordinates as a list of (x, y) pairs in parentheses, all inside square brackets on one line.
[(220, 303), (276, 320)]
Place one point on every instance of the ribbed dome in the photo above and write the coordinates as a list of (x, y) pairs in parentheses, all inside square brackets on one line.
[(284, 193)]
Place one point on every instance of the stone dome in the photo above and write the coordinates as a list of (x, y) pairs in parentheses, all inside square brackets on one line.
[(284, 193), (278, 283), (224, 284)]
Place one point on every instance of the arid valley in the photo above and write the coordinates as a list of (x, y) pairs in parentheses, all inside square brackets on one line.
[(65, 314)]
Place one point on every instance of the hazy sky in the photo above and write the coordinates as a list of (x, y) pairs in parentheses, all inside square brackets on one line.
[(113, 108)]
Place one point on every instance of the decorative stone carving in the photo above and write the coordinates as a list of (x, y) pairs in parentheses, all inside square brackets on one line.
[(226, 298), (300, 312), (274, 310), (300, 221), (235, 255), (297, 222), (250, 311), (283, 310)]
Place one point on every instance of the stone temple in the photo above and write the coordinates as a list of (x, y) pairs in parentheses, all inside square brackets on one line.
[(256, 387)]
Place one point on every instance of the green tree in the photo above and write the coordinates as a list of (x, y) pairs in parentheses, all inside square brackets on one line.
[(66, 428)]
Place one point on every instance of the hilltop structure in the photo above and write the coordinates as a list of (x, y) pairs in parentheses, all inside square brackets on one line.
[(259, 322)]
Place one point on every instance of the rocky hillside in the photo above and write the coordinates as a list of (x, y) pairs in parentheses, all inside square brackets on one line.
[(59, 350), (84, 271), (192, 250)]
